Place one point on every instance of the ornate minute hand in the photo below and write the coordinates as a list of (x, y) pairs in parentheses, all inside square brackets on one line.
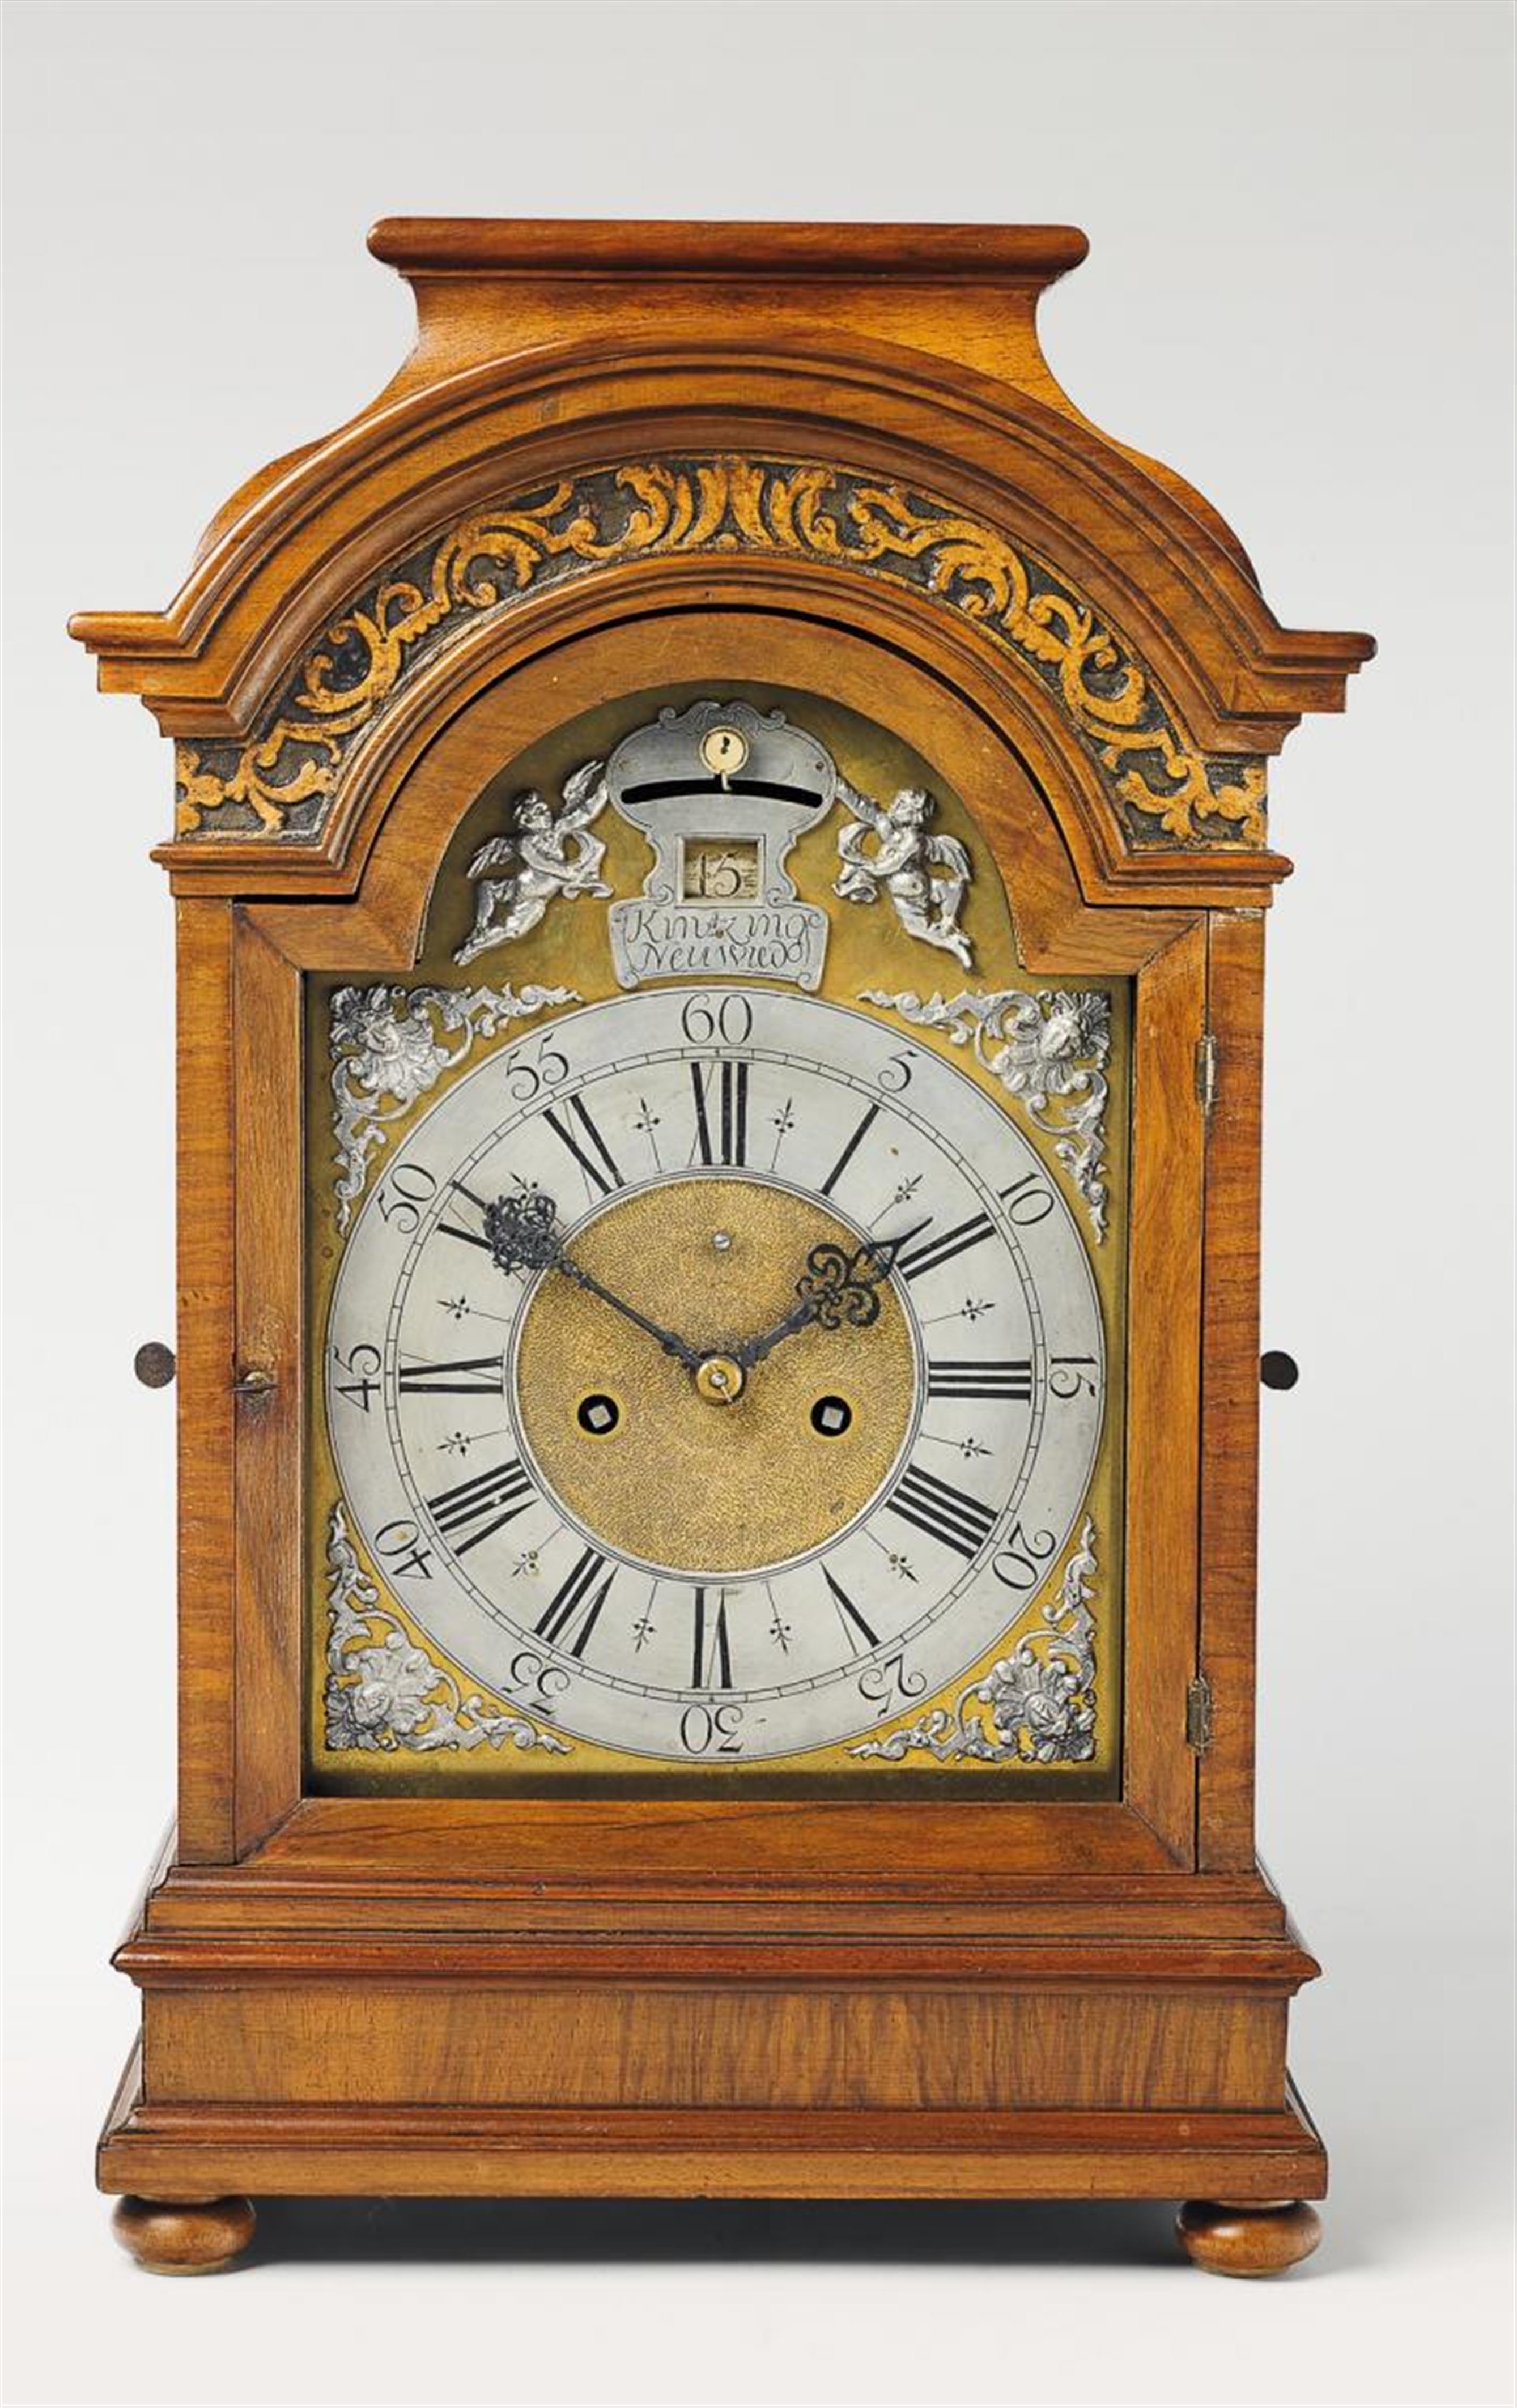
[(521, 1234), (838, 1290)]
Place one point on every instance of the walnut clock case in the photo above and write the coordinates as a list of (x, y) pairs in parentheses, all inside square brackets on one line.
[(720, 869)]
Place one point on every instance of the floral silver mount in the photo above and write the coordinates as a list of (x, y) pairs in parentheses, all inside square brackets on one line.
[(926, 877), (384, 1693), (1034, 1706), (1048, 1051), (390, 1044)]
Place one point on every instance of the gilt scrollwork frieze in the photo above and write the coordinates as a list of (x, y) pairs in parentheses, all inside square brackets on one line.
[(1036, 1705), (1050, 1052), (384, 1692), (391, 1044), (282, 781)]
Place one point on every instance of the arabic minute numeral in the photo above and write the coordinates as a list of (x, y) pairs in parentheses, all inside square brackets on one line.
[(705, 1728), (400, 1544), (885, 1685), (408, 1187), (526, 1080), (364, 1363), (1028, 1200), (1069, 1374), (945, 1512), (724, 1019), (543, 1683), (1020, 1564)]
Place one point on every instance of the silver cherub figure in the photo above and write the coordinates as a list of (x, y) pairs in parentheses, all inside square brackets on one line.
[(543, 855), (904, 863)]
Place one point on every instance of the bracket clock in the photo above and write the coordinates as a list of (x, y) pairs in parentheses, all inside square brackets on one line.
[(720, 866)]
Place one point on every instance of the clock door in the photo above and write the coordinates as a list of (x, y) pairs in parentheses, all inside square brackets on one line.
[(720, 1298)]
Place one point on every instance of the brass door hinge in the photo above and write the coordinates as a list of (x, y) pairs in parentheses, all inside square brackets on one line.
[(1198, 1714), (1205, 1070)]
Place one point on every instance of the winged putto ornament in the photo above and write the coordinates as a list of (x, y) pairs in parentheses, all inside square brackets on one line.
[(926, 877), (543, 855)]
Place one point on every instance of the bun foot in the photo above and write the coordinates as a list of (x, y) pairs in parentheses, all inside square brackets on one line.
[(184, 2237), (1248, 2237)]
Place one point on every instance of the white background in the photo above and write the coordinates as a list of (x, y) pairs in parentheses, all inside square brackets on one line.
[(1298, 292)]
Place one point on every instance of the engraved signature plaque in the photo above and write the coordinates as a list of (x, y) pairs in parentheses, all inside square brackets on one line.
[(721, 792)]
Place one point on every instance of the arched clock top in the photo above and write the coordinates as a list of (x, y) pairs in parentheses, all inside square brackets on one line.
[(505, 473), (285, 778)]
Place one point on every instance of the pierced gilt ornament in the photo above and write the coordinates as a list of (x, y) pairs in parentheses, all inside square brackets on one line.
[(721, 792)]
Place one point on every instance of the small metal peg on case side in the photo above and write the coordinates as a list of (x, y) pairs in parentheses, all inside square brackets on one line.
[(254, 1382), (1278, 1370), (155, 1363)]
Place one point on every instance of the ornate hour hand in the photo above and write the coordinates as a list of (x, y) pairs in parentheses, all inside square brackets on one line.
[(522, 1234), (838, 1290)]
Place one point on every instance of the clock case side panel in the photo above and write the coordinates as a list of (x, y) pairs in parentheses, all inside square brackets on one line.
[(1227, 1643), (433, 777), (240, 1378)]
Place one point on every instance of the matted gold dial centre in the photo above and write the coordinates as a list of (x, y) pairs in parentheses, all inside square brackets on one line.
[(790, 1459)]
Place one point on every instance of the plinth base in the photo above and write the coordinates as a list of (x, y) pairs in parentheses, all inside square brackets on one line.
[(188, 2166)]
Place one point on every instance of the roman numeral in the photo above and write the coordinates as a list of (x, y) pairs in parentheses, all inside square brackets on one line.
[(711, 1656), (722, 1134), (944, 1512), (850, 1150), (573, 1613), (452, 1379), (1013, 1381), (848, 1612), (958, 1240), (598, 1167), (451, 1228), (481, 1506)]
